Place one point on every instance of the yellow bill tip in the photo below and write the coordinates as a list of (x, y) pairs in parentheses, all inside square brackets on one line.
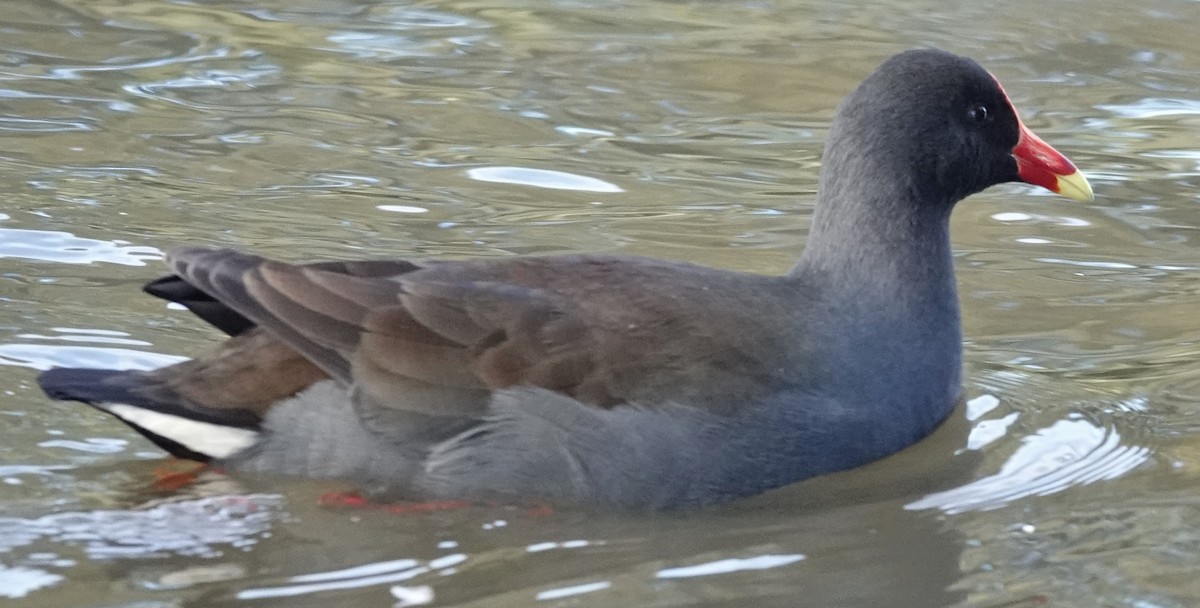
[(1075, 185)]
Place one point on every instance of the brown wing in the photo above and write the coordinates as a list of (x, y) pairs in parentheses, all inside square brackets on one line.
[(249, 372), (438, 337), (406, 336)]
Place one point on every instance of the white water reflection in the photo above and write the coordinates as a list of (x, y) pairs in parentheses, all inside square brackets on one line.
[(985, 432), (169, 90), (103, 336), (66, 248), (1191, 156), (17, 582), (566, 544), (1010, 217), (353, 578), (417, 595), (561, 592), (43, 357), (199, 527), (402, 208), (1088, 263), (1068, 453), (584, 131), (42, 125), (383, 46), (541, 178), (977, 407), (725, 566), (90, 445), (1154, 107)]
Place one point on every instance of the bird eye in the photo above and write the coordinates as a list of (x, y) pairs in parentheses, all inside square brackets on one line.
[(980, 114)]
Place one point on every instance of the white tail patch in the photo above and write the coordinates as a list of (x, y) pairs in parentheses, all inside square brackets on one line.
[(202, 437)]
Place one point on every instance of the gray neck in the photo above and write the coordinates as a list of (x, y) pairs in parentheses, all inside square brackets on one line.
[(880, 244), (881, 225), (881, 259)]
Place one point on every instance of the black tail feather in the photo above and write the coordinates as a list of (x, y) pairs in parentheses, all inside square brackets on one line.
[(101, 388), (174, 289), (91, 386)]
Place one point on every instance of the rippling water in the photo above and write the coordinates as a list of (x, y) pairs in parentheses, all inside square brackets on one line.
[(689, 130)]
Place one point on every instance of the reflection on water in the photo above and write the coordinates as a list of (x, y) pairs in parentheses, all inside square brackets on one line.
[(723, 566), (1069, 453), (1154, 107), (66, 248), (21, 581), (45, 356), (541, 178), (189, 527), (687, 130), (202, 528), (360, 576)]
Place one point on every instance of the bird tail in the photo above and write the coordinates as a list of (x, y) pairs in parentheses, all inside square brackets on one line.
[(183, 431)]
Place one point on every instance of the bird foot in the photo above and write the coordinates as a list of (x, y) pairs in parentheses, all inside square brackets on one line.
[(178, 474), (355, 500)]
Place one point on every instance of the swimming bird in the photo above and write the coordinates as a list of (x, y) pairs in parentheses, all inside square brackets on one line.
[(608, 380)]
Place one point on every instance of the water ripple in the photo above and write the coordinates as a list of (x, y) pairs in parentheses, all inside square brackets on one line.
[(1154, 107), (1068, 453), (223, 80), (17, 582), (541, 178), (561, 592), (725, 566), (44, 357), (353, 578), (41, 125), (384, 46), (187, 527), (64, 247)]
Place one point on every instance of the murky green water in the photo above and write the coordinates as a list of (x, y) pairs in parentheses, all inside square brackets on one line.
[(337, 128)]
